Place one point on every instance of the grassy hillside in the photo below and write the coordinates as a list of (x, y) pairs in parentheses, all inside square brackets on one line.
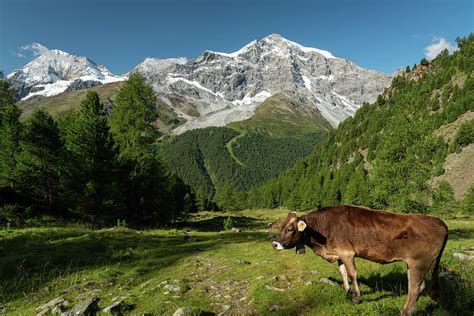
[(237, 272), (388, 154), (280, 116), (247, 153)]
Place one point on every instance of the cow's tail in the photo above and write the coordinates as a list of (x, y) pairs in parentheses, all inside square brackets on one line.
[(435, 277)]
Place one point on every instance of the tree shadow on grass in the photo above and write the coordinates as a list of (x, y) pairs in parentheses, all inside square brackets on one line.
[(395, 282), (461, 233), (457, 294), (28, 263), (217, 223)]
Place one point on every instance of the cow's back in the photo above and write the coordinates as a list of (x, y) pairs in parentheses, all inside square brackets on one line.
[(378, 235)]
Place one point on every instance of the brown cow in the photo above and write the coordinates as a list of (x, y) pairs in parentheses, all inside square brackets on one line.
[(340, 233)]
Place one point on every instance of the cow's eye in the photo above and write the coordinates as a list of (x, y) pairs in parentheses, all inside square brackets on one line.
[(290, 229)]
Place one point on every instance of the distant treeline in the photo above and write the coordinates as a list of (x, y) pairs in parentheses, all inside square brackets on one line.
[(86, 167), (386, 155)]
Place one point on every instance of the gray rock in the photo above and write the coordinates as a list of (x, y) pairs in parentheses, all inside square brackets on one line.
[(183, 311), (235, 229), (172, 288), (241, 261), (272, 288), (53, 306), (85, 307), (79, 84), (327, 281), (274, 308), (115, 308), (462, 256)]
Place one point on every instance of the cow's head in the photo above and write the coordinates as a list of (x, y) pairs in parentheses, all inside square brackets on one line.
[(290, 234)]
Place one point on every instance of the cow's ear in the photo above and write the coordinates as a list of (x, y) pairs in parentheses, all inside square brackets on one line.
[(301, 225)]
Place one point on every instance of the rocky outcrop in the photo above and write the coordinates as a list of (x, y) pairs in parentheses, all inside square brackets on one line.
[(79, 84)]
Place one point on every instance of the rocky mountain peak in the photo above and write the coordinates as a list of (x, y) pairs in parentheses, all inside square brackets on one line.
[(54, 71), (226, 87)]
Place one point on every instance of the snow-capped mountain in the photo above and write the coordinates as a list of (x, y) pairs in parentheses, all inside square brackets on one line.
[(55, 71), (218, 88), (227, 87)]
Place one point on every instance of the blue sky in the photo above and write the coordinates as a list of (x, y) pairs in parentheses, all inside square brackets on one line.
[(376, 34)]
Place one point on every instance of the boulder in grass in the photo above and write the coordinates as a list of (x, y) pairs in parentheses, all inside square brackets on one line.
[(116, 307), (462, 256), (183, 311), (86, 307)]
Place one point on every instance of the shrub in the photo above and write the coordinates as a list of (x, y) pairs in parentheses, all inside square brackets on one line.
[(465, 134), (228, 223), (13, 215)]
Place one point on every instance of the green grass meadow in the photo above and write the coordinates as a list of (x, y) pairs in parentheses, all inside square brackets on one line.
[(231, 272)]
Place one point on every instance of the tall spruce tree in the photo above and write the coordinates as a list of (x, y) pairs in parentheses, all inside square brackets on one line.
[(39, 160), (10, 134), (133, 119), (7, 96), (144, 182), (89, 177)]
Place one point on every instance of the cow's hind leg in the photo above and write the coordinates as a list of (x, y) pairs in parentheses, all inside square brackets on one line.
[(416, 275), (343, 271), (352, 272)]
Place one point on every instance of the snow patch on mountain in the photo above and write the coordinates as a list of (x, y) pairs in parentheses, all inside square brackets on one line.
[(307, 82)]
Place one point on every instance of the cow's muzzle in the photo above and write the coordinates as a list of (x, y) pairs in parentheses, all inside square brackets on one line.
[(277, 245)]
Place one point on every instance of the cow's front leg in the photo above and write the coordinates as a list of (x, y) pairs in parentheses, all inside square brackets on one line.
[(343, 271), (352, 273)]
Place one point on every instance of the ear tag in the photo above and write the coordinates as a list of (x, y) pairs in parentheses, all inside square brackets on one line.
[(300, 250), (301, 226)]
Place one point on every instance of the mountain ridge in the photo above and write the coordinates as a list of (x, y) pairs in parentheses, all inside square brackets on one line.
[(228, 87), (219, 88)]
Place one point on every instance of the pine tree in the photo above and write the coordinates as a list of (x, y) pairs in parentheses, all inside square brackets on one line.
[(356, 188), (225, 197), (201, 199), (89, 178), (467, 204), (144, 180), (443, 199), (133, 118), (10, 134), (7, 97), (39, 161)]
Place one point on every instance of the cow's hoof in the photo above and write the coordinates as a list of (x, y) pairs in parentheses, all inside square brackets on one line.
[(356, 300)]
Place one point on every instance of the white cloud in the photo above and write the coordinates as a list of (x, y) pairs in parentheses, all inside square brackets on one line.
[(18, 54), (35, 49), (439, 44)]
